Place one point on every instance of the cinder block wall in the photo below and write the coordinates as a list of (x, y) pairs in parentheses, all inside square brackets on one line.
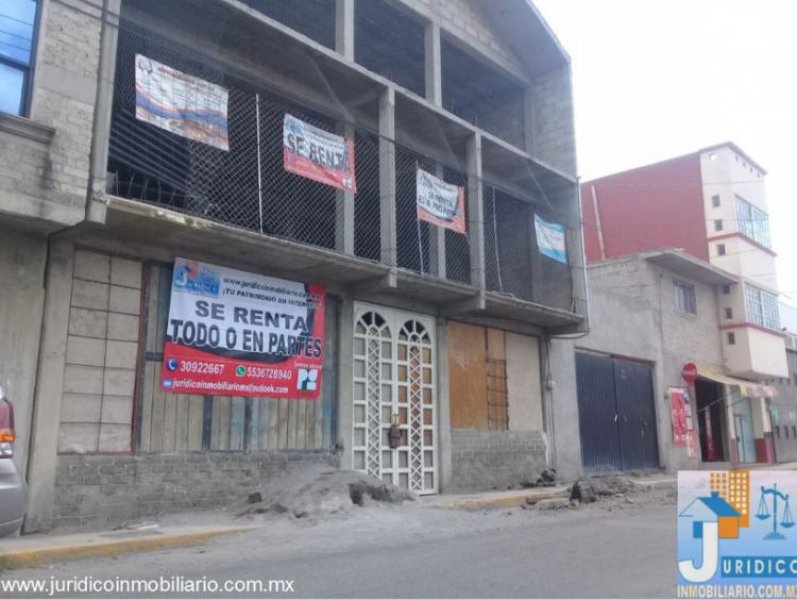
[(105, 491), (102, 346), (495, 460)]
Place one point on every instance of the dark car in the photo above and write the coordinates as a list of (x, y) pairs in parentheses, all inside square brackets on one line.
[(13, 492)]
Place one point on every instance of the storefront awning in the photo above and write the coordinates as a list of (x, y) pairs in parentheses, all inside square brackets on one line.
[(750, 389)]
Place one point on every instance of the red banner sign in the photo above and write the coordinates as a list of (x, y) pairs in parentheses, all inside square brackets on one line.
[(319, 155), (233, 333), (681, 416)]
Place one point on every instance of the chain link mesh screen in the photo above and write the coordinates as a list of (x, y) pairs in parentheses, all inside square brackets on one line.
[(248, 187), (245, 186)]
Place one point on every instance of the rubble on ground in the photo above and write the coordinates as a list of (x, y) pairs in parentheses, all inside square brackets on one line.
[(316, 493)]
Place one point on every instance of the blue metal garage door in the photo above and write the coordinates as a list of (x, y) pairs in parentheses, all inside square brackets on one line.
[(617, 418)]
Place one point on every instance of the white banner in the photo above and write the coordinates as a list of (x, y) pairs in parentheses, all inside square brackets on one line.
[(440, 203), (180, 103), (232, 332), (550, 239)]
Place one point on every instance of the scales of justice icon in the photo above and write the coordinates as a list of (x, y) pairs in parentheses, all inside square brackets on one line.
[(787, 521)]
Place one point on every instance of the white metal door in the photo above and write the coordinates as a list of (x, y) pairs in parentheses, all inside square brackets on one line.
[(394, 382)]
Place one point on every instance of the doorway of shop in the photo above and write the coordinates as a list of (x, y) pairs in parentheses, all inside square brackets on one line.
[(710, 420)]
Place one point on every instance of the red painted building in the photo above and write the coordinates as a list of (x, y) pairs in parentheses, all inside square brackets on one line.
[(651, 207)]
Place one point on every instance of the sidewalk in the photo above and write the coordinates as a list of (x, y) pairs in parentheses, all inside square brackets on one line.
[(489, 500), (35, 549)]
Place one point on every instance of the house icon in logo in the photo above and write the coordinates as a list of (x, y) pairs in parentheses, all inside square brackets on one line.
[(713, 509)]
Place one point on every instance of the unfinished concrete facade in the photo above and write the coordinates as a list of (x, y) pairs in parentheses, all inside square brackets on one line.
[(658, 311), (111, 201)]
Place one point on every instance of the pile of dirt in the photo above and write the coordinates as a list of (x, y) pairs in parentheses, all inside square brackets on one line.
[(316, 493)]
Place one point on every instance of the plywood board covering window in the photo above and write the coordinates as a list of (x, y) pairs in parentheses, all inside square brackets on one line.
[(477, 377)]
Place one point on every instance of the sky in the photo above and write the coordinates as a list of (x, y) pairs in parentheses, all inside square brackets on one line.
[(655, 79)]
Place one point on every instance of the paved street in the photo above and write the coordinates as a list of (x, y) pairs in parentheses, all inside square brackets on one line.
[(610, 550)]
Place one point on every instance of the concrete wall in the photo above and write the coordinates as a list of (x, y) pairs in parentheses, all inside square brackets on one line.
[(551, 122), (22, 263), (524, 393), (44, 159), (498, 460), (104, 491)]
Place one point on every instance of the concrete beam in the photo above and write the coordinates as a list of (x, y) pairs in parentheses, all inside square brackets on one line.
[(344, 209), (387, 175), (387, 282), (475, 211), (344, 28), (432, 64), (49, 388), (465, 307)]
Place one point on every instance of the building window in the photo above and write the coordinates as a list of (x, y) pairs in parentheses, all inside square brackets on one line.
[(685, 297), (17, 22), (777, 431), (717, 224), (794, 431), (726, 289), (715, 201), (753, 222), (794, 378), (731, 338), (721, 249), (729, 313), (761, 307)]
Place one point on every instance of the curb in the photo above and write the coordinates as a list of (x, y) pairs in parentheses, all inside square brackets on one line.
[(655, 483), (28, 557), (518, 499)]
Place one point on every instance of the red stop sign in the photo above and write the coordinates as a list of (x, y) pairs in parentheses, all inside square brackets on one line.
[(689, 372)]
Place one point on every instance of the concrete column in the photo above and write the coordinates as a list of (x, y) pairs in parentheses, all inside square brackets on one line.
[(49, 388), (444, 462), (577, 259), (387, 175), (344, 28), (101, 134), (344, 209), (23, 257), (345, 380), (537, 282), (476, 211), (437, 243), (432, 64), (528, 120)]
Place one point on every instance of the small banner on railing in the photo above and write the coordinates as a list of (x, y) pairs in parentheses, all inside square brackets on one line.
[(234, 333), (319, 155), (180, 103), (440, 203), (550, 239)]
